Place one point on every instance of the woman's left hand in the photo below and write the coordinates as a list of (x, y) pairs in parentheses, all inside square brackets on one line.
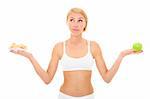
[(129, 51)]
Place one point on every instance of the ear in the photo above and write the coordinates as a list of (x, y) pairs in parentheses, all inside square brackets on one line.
[(67, 23)]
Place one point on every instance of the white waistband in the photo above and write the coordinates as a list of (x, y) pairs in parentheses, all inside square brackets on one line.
[(65, 96)]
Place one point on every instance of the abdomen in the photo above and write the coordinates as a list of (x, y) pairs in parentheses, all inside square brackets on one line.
[(77, 83)]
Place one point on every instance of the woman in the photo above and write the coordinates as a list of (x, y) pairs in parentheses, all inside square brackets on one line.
[(77, 56)]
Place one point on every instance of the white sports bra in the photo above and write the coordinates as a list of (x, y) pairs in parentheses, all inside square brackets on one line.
[(82, 63)]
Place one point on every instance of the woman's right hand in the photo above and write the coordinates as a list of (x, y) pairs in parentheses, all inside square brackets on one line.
[(21, 52)]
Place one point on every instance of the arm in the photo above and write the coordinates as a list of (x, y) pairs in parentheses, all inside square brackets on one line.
[(106, 74), (48, 75)]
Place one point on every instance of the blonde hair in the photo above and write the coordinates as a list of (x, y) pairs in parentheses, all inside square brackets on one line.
[(80, 11)]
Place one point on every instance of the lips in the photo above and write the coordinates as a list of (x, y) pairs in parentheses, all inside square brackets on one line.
[(75, 29)]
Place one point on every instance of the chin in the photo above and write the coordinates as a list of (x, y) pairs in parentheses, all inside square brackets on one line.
[(75, 34)]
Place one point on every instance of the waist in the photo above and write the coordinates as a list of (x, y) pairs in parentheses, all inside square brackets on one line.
[(66, 96), (77, 89), (77, 78), (77, 83)]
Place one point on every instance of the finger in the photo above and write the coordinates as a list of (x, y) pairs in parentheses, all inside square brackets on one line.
[(138, 52), (13, 51), (17, 51)]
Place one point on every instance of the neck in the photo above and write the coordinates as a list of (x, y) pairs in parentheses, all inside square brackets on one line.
[(75, 39)]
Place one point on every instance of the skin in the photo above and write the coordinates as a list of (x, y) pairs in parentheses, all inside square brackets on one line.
[(76, 83)]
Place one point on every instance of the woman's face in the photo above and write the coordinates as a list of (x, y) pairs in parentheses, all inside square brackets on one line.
[(76, 23)]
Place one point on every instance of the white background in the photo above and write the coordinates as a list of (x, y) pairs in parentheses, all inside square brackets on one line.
[(114, 24)]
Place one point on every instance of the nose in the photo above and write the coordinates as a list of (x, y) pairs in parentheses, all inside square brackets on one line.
[(75, 26)]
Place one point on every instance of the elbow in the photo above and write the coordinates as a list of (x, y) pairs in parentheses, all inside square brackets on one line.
[(47, 81), (107, 81), (107, 78)]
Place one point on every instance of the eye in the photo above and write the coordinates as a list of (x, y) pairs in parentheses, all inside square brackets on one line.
[(71, 20), (80, 20)]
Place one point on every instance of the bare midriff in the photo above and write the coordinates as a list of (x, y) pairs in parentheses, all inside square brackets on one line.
[(77, 83)]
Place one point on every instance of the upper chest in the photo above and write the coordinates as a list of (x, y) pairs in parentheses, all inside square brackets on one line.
[(76, 51)]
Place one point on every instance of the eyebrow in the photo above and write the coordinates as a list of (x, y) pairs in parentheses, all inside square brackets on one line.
[(72, 17), (80, 18)]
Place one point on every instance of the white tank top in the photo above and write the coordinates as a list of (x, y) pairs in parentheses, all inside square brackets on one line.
[(82, 63)]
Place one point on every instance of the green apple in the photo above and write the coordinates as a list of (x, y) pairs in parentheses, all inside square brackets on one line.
[(137, 46)]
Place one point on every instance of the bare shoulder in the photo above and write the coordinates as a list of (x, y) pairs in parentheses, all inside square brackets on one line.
[(94, 45), (95, 48), (58, 47)]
